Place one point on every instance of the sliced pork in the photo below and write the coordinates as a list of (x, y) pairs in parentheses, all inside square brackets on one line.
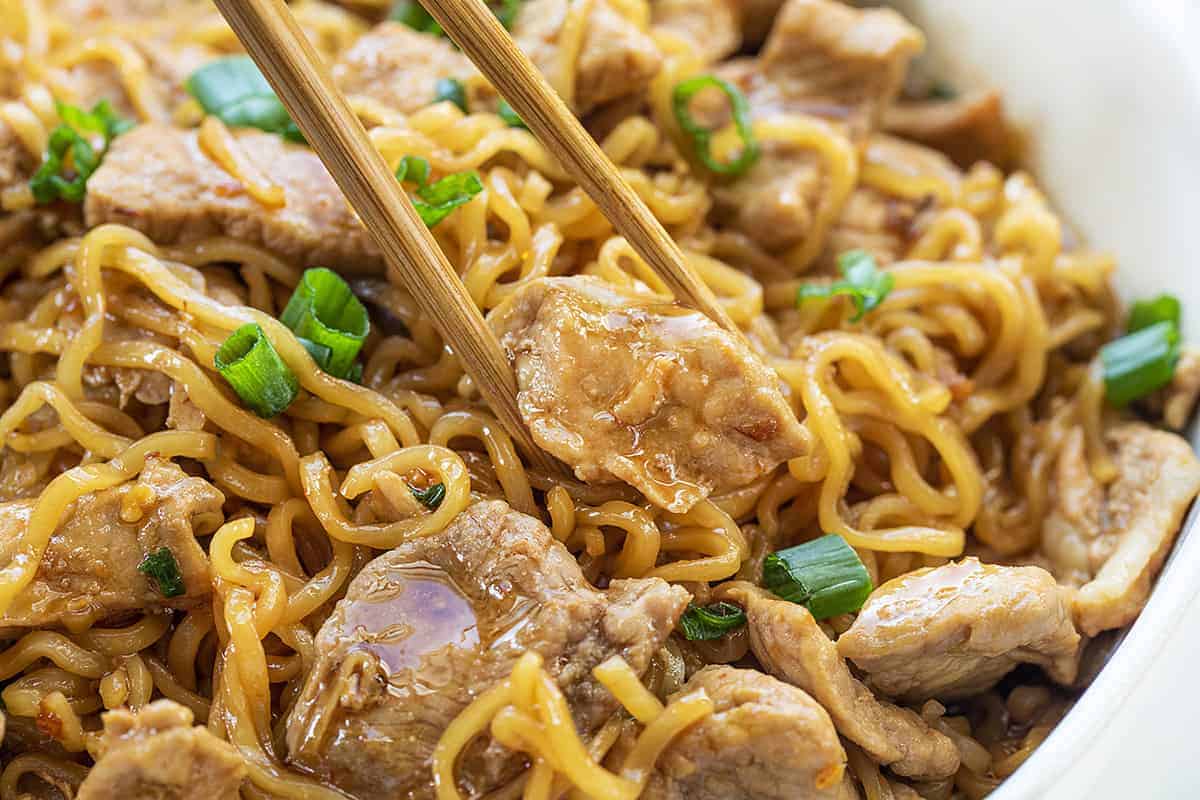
[(822, 59), (91, 562), (398, 67), (428, 626), (1111, 541), (711, 27), (790, 645), (954, 631), (614, 59), (157, 753), (766, 740), (159, 180), (967, 128), (626, 386)]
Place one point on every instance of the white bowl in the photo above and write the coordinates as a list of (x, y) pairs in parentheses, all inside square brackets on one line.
[(1110, 93)]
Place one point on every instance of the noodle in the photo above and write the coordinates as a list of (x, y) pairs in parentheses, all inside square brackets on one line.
[(932, 426)]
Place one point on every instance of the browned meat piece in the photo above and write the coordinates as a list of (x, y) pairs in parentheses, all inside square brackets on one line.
[(429, 625), (622, 386), (968, 129), (830, 60), (954, 631), (766, 740), (157, 753), (158, 180), (614, 60), (712, 27), (20, 476), (826, 59), (1112, 541), (399, 67), (790, 645), (91, 563)]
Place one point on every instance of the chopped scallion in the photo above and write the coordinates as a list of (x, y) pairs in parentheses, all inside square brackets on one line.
[(414, 15), (511, 118), (75, 150), (249, 362), (161, 567), (825, 575), (324, 311), (701, 137), (1144, 313), (431, 497), (435, 201), (233, 89), (1140, 362), (862, 280), (451, 89), (704, 623)]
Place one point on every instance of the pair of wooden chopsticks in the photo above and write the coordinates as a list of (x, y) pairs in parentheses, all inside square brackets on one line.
[(273, 39)]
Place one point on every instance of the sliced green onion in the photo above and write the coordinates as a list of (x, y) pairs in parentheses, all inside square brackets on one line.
[(511, 118), (62, 178), (450, 89), (701, 136), (435, 201), (1144, 313), (233, 89), (826, 575), (162, 568), (325, 311), (414, 15), (704, 623), (248, 361), (863, 282), (1140, 362), (319, 352), (431, 497)]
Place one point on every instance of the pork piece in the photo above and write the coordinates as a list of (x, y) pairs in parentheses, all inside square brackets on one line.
[(158, 180), (790, 645), (766, 740), (711, 27), (394, 65), (1112, 541), (157, 753), (954, 631), (614, 60), (968, 128), (826, 59), (624, 386), (91, 563), (428, 626)]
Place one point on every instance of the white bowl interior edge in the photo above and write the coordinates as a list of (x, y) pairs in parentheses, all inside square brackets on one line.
[(1109, 93)]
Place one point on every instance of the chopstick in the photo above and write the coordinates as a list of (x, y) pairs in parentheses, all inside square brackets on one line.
[(281, 50), (475, 29)]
